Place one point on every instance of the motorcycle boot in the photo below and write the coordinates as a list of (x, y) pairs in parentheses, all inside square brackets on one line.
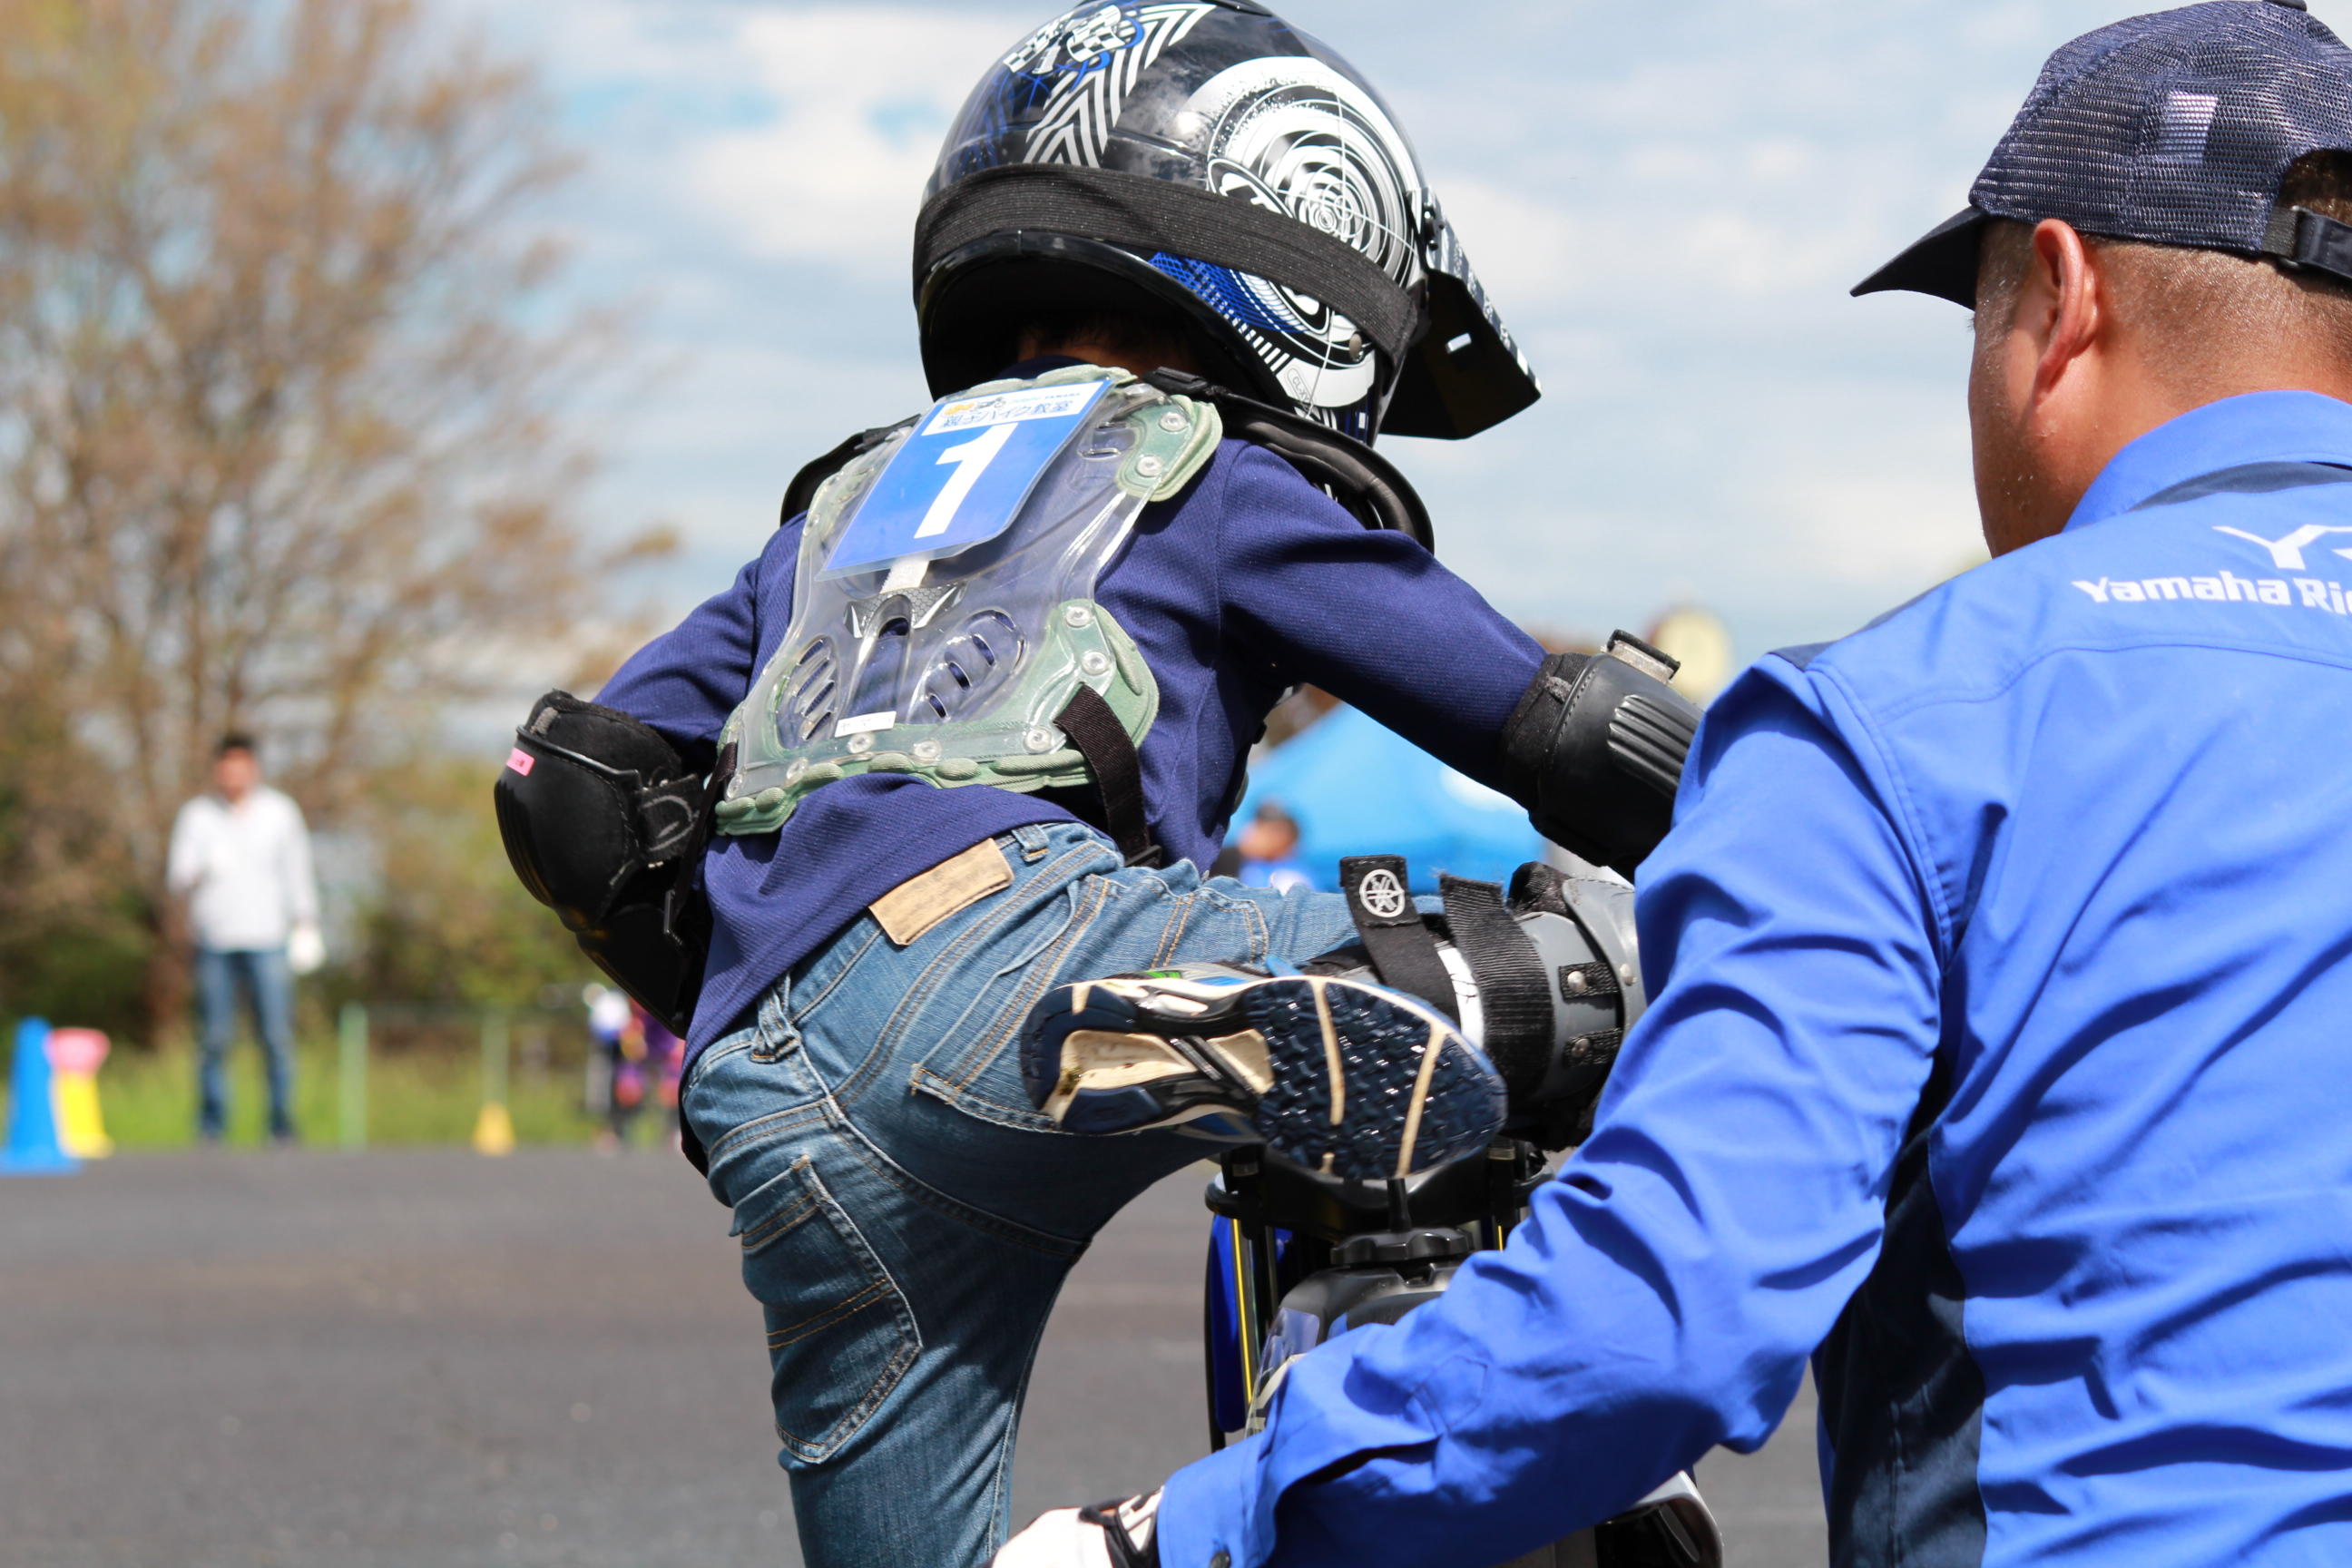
[(1332, 1070), (1415, 1045)]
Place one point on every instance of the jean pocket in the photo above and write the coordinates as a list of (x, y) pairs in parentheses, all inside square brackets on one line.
[(840, 1333)]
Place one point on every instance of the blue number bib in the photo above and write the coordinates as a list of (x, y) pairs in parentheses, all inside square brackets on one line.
[(963, 476)]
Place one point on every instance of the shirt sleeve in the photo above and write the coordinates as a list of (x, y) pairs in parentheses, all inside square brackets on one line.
[(1367, 615), (301, 877), (1666, 1292), (687, 681), (183, 865)]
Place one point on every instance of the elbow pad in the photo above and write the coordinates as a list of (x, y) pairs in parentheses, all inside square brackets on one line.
[(605, 824), (1595, 751)]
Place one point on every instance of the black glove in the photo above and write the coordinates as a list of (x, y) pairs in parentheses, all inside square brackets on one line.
[(605, 825), (1595, 750)]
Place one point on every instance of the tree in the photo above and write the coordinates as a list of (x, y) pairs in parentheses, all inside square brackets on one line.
[(280, 447), (446, 921)]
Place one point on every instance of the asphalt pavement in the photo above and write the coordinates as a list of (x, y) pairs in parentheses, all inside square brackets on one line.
[(433, 1360)]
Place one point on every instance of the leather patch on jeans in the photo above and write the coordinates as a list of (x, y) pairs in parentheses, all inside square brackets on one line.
[(952, 887)]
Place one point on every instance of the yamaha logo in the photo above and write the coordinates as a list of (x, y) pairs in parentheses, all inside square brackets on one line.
[(1381, 895)]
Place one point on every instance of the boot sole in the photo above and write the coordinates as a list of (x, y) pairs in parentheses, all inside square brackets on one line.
[(1337, 1076)]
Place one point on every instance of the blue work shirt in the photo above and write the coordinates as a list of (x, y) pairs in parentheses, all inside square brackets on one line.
[(1250, 581), (2051, 868)]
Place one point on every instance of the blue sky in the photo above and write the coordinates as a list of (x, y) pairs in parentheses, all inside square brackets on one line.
[(1667, 201)]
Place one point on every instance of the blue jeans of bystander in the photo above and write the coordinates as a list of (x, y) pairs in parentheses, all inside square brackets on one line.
[(906, 1218), (268, 985)]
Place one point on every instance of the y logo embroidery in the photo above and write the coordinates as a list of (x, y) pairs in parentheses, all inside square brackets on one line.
[(2286, 554), (1383, 895)]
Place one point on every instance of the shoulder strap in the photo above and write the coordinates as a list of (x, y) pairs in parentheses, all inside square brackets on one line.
[(1359, 477), (1096, 734), (801, 494)]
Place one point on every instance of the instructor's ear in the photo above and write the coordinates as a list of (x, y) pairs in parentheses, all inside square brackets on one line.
[(2062, 303)]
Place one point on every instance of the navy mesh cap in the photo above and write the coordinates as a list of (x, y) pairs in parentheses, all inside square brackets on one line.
[(2176, 128)]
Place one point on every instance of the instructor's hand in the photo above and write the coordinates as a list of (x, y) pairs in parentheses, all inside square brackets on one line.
[(306, 949), (1107, 1535)]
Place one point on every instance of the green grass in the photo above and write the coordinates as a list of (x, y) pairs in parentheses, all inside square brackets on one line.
[(413, 1097)]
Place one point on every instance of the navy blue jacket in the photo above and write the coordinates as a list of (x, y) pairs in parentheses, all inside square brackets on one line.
[(2001, 1049), (1250, 581)]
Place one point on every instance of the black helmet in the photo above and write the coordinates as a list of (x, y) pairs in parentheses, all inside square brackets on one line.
[(1205, 159)]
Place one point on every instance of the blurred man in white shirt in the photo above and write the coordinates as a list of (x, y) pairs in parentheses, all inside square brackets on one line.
[(241, 858)]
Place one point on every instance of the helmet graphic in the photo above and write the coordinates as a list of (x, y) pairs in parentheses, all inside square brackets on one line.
[(1202, 159)]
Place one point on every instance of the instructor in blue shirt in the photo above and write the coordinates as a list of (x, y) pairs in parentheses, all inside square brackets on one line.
[(1998, 1058)]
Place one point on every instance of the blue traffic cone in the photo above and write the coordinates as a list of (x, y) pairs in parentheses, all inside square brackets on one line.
[(33, 1149)]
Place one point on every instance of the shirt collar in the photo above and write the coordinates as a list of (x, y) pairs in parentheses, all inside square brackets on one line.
[(2254, 427)]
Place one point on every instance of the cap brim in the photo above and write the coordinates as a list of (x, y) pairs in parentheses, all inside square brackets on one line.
[(1943, 262)]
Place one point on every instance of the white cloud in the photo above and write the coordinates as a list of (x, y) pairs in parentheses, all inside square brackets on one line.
[(1865, 530), (1529, 253), (865, 94), (1668, 216)]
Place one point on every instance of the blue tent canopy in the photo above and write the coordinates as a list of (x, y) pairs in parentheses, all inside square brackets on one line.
[(1357, 789)]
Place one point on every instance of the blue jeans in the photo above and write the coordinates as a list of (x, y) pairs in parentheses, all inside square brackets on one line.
[(906, 1217), (268, 985)]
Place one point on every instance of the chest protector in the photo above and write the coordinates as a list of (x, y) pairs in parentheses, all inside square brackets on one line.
[(943, 609)]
